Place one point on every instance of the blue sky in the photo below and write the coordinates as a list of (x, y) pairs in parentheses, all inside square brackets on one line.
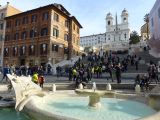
[(91, 13)]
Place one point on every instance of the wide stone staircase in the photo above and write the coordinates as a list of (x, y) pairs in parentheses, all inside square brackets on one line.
[(143, 64)]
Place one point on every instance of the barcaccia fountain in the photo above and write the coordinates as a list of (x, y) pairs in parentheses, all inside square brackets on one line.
[(102, 105)]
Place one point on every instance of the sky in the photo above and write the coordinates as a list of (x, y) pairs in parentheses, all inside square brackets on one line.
[(92, 13)]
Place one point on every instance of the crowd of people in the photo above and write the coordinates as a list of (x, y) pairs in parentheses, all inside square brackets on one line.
[(89, 67), (36, 72), (97, 66)]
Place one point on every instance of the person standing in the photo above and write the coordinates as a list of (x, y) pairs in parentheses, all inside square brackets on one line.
[(35, 78), (6, 70), (41, 80), (118, 73)]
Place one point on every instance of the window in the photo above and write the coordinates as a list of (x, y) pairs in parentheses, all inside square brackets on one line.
[(15, 51), (159, 12), (109, 22), (25, 20), (17, 22), (66, 23), (1, 26), (74, 27), (44, 31), (66, 50), (125, 36), (22, 50), (55, 47), (124, 19), (66, 37), (55, 32), (24, 35), (56, 17), (32, 33), (45, 16), (32, 50), (43, 49), (7, 37), (34, 18), (16, 36), (77, 30), (109, 37), (6, 52), (8, 24), (152, 22)]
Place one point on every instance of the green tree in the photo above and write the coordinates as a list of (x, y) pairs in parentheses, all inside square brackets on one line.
[(134, 38), (146, 20)]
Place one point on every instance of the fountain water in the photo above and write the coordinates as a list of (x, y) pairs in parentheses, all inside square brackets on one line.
[(80, 86), (94, 87), (54, 88), (109, 87), (137, 89)]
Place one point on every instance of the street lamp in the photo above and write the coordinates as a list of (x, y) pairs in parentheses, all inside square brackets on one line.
[(2, 51)]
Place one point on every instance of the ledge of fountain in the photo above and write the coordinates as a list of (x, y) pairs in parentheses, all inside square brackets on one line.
[(154, 100), (90, 92), (33, 109)]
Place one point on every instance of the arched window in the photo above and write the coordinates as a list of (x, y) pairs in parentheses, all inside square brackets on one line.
[(109, 37), (124, 19), (109, 22), (125, 36)]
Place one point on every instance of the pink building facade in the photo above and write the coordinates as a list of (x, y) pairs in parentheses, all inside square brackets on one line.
[(154, 23)]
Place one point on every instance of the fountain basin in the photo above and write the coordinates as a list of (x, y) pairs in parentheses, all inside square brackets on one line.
[(154, 101), (74, 107)]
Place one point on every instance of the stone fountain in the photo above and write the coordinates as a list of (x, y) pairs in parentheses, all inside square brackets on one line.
[(30, 99), (94, 95)]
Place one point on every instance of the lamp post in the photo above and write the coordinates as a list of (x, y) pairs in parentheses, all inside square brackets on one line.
[(2, 51)]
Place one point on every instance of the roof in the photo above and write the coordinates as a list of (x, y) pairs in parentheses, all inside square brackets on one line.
[(55, 5), (74, 18), (95, 35)]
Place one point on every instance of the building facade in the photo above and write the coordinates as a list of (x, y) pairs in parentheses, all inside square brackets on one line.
[(116, 36), (155, 20), (42, 35), (5, 11), (93, 40), (144, 32), (154, 24)]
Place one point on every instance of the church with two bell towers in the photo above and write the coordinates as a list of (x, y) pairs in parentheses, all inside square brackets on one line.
[(116, 36)]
